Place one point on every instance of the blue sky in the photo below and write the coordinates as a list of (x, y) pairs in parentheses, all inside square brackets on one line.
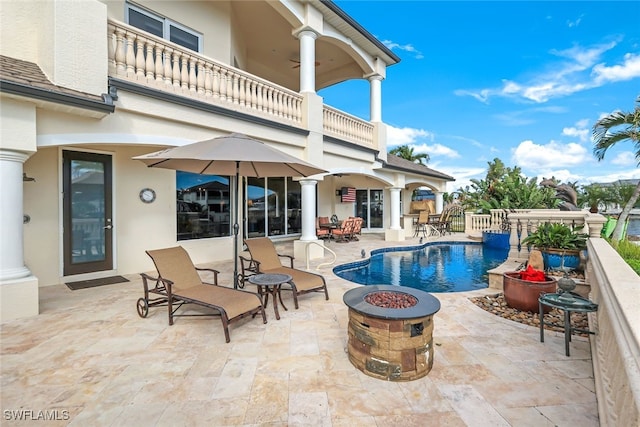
[(520, 81)]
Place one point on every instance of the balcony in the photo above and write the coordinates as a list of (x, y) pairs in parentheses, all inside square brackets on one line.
[(144, 59)]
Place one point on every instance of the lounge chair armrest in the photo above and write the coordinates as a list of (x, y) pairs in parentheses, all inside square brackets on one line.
[(291, 258), (159, 282), (215, 273), (249, 265)]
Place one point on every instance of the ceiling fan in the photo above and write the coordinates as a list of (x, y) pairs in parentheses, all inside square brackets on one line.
[(297, 62)]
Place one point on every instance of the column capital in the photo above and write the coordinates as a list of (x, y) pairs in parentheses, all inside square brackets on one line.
[(13, 155), (375, 76), (305, 31)]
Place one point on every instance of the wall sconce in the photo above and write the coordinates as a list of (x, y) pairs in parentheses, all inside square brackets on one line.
[(26, 178), (338, 193)]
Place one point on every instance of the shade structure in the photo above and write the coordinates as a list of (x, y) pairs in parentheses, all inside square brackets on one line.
[(220, 156), (232, 155)]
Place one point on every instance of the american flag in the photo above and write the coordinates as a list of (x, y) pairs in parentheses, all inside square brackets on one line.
[(348, 195)]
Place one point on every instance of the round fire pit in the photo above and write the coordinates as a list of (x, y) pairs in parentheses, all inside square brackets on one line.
[(390, 331)]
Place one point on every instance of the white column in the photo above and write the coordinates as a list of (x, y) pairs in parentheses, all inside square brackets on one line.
[(11, 216), (307, 61), (375, 94), (308, 193), (395, 208), (439, 201)]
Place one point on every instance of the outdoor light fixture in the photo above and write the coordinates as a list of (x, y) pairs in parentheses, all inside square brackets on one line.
[(26, 178)]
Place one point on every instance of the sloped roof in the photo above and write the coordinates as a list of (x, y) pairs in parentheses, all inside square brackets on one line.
[(398, 163), (25, 78)]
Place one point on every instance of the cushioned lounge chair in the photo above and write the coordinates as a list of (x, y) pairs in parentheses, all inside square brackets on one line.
[(183, 284), (265, 259)]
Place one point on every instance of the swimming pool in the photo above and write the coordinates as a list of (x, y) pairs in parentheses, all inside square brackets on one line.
[(432, 267)]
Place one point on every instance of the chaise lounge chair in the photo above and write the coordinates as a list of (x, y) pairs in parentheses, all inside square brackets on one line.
[(183, 285), (266, 260)]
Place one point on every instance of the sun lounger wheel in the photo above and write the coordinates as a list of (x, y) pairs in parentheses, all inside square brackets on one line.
[(143, 307)]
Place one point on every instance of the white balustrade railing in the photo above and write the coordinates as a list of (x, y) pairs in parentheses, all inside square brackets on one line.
[(144, 58), (615, 347), (345, 126)]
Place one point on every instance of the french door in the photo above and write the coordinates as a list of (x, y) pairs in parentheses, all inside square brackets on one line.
[(87, 220)]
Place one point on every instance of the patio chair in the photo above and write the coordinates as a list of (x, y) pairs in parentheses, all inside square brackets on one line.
[(345, 232), (322, 232), (357, 227), (443, 224), (184, 285), (422, 223), (266, 260)]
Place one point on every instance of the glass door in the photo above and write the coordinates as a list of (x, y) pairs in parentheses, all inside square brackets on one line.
[(88, 227), (369, 207)]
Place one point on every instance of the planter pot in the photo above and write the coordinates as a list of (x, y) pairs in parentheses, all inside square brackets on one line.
[(553, 258), (523, 294)]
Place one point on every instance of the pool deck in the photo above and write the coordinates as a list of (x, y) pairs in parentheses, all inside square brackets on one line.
[(90, 359)]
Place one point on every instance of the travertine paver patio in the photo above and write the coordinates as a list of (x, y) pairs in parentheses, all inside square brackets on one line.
[(88, 357)]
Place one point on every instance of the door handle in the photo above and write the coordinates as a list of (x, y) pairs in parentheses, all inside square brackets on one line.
[(108, 227)]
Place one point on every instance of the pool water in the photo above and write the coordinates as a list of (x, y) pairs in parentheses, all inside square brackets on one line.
[(433, 267)]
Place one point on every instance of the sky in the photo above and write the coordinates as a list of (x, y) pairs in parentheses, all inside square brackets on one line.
[(516, 80)]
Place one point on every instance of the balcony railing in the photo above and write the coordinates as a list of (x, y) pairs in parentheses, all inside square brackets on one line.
[(152, 61), (345, 126), (145, 59)]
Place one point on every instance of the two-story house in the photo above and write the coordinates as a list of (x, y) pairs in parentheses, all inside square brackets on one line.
[(86, 86)]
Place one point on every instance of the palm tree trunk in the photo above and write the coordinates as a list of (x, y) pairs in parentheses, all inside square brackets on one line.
[(617, 232)]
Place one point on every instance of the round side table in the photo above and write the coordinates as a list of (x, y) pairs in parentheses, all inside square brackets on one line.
[(270, 284)]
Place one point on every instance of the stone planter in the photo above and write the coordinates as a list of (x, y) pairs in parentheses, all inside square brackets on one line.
[(553, 258), (523, 294)]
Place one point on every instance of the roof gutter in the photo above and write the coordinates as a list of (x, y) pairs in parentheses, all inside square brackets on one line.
[(104, 106)]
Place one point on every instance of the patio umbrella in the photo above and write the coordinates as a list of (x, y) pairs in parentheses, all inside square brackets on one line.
[(234, 154)]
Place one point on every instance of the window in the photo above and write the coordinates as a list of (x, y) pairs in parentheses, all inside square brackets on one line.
[(163, 27), (202, 206), (272, 207)]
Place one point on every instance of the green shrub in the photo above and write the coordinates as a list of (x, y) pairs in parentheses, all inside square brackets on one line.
[(630, 252)]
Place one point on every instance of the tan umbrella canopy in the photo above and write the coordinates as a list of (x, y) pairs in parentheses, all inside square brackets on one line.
[(223, 156), (234, 154)]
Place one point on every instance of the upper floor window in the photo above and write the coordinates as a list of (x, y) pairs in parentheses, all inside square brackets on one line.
[(163, 27)]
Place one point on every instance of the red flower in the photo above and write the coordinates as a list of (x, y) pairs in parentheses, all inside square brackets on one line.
[(533, 275)]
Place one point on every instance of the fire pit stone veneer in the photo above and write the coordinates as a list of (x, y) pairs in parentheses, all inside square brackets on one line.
[(393, 344)]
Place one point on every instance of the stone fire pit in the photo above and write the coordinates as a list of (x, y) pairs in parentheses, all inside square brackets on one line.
[(390, 331)]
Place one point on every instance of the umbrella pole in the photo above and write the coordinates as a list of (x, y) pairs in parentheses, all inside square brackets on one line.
[(236, 228)]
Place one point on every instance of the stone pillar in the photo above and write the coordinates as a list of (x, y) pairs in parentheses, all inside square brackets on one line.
[(11, 216), (439, 201), (394, 233), (18, 287), (307, 61), (308, 193), (375, 102)]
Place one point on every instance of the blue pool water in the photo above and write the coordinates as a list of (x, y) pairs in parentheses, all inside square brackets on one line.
[(433, 267)]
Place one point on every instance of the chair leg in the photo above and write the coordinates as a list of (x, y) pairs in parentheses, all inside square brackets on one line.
[(225, 325)]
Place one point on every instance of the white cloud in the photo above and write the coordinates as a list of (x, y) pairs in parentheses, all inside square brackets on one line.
[(435, 150), (580, 130), (403, 136), (463, 176), (415, 138), (628, 70), (579, 69), (541, 158), (626, 158), (406, 47)]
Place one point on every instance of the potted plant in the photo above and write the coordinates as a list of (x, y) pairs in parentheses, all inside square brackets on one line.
[(523, 288), (559, 243)]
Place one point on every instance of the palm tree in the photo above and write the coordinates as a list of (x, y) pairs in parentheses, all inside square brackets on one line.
[(607, 132), (406, 152)]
